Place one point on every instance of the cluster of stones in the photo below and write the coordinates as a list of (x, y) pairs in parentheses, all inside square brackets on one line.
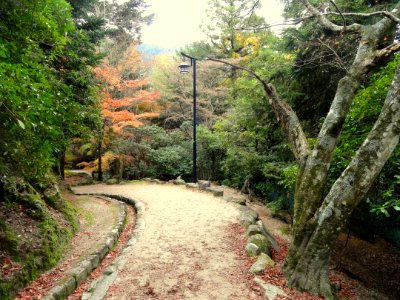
[(79, 273), (259, 240), (259, 244)]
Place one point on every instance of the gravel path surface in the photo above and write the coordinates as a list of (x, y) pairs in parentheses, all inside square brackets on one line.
[(183, 252)]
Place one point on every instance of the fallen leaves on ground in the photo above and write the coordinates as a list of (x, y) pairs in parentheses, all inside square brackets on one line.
[(109, 258), (8, 268), (274, 274)]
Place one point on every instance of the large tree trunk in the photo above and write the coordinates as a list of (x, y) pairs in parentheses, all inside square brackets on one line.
[(307, 264), (318, 218)]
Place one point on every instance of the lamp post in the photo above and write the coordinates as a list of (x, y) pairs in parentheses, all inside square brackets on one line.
[(184, 68)]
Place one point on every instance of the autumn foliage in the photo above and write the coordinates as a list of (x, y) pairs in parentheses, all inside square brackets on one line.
[(127, 99)]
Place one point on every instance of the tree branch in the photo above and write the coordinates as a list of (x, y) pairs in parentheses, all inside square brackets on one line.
[(367, 15), (340, 12), (251, 10), (387, 51), (283, 23), (326, 23), (356, 26), (339, 60), (285, 115)]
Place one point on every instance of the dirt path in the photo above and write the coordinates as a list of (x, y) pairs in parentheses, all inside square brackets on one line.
[(183, 252)]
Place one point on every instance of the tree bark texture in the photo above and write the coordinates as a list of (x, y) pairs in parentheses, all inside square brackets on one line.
[(318, 218)]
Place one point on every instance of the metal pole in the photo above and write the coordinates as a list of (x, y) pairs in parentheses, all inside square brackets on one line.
[(193, 64), (194, 121)]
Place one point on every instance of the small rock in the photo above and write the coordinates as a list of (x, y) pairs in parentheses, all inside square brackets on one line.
[(108, 271), (203, 184), (261, 241), (237, 200), (157, 181), (270, 290), (192, 185), (112, 181), (58, 292), (283, 215), (216, 192), (268, 235), (179, 181), (252, 249), (247, 216), (262, 262), (252, 230)]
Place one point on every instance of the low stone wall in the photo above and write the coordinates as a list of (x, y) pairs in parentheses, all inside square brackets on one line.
[(79, 273)]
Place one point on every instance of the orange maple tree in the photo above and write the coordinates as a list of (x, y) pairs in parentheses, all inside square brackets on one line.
[(127, 99)]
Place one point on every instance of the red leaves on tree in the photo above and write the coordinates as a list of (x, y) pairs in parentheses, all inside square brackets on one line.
[(126, 102)]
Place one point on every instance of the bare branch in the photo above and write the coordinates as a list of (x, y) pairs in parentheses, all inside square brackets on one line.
[(285, 115), (354, 27), (339, 60), (251, 10), (340, 12), (367, 15), (326, 23), (387, 51), (283, 23)]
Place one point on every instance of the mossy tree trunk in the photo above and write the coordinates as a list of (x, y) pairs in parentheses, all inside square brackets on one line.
[(319, 217)]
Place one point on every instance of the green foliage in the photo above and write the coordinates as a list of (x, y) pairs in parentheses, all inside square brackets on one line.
[(154, 152), (289, 177), (361, 118), (170, 162), (39, 76), (390, 199), (210, 154)]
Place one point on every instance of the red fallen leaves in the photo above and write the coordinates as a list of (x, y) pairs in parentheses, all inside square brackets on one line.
[(122, 241), (46, 281), (8, 267), (274, 274)]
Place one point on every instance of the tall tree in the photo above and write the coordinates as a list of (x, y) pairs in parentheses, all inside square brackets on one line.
[(227, 16), (319, 215), (127, 101), (75, 69), (176, 92), (127, 16), (33, 100)]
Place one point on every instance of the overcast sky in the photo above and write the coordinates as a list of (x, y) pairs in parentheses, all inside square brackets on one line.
[(176, 22)]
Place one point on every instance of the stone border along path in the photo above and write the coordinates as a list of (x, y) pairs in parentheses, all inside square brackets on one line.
[(165, 266), (99, 287), (79, 273)]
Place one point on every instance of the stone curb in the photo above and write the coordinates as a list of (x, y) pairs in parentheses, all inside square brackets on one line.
[(99, 287), (249, 219), (80, 272), (204, 185)]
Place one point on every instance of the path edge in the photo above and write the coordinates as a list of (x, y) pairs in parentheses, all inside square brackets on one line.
[(99, 287), (79, 273)]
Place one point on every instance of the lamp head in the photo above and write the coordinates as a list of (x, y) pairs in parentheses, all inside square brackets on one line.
[(184, 67)]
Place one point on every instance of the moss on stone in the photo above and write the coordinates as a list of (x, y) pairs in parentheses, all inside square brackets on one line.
[(54, 237)]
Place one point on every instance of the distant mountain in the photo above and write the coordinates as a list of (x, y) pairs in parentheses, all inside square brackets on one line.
[(153, 50)]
